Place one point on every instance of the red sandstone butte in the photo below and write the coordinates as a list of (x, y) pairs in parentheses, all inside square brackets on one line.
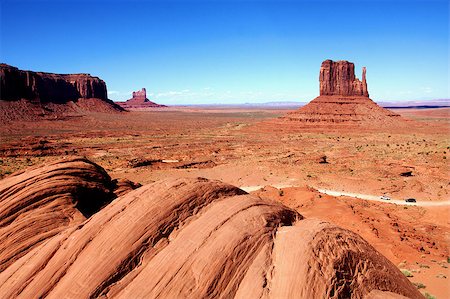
[(29, 95), (139, 100), (344, 99)]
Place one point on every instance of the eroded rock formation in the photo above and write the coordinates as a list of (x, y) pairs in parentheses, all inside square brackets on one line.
[(16, 84), (181, 238), (27, 94), (344, 99), (139, 100), (338, 78)]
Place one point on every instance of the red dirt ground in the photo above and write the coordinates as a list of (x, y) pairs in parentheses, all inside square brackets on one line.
[(247, 147)]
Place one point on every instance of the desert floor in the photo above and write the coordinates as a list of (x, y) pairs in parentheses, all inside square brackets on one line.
[(250, 148)]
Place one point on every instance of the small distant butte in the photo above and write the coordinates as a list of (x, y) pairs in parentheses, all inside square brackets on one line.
[(139, 100)]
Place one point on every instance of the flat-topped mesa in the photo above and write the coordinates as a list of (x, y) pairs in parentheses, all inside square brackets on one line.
[(338, 78), (43, 87)]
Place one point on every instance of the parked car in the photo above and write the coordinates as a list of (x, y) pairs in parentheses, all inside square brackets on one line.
[(384, 197), (410, 200)]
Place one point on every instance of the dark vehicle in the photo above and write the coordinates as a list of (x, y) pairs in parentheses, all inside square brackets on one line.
[(410, 200)]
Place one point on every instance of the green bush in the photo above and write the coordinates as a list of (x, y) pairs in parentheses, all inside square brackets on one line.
[(406, 273), (419, 285), (429, 296)]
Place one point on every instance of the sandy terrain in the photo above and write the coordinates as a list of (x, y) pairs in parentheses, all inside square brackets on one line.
[(245, 147)]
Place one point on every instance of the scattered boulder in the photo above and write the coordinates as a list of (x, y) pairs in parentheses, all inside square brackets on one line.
[(406, 173), (323, 160)]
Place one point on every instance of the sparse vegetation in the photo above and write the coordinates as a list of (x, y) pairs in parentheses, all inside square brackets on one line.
[(429, 296), (407, 273), (419, 285)]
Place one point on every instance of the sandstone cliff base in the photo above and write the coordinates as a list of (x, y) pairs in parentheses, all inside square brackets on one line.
[(175, 238), (346, 110)]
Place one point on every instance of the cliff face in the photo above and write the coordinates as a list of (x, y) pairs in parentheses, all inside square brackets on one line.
[(41, 87), (338, 78)]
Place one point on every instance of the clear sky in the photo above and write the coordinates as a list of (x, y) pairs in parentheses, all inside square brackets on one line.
[(190, 52)]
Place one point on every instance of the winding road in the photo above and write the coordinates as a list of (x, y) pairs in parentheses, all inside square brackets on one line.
[(359, 196)]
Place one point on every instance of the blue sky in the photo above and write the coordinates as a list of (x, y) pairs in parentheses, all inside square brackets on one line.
[(190, 52)]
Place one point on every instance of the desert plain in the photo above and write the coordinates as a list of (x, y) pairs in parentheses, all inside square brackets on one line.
[(256, 150)]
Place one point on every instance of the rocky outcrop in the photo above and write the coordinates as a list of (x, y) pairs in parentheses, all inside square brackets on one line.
[(16, 84), (338, 78), (344, 99), (139, 100), (189, 238)]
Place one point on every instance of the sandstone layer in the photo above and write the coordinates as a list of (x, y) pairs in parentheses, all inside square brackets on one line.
[(47, 87), (344, 99), (139, 100), (39, 203), (40, 93), (184, 238), (338, 78)]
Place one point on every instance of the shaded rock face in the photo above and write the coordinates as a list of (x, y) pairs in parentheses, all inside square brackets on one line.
[(191, 238), (338, 78), (343, 100), (139, 100), (16, 84)]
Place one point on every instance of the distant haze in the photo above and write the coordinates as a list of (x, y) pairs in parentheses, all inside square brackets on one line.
[(230, 52)]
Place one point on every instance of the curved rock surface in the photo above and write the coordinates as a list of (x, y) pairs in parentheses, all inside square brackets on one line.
[(41, 202), (195, 238)]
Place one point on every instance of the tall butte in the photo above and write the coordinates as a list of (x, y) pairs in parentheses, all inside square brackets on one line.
[(343, 99)]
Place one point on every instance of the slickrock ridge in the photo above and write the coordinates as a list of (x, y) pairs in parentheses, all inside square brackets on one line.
[(47, 91), (344, 99), (175, 238), (39, 203), (139, 100)]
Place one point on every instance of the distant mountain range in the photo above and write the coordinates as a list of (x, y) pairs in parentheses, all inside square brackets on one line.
[(438, 103)]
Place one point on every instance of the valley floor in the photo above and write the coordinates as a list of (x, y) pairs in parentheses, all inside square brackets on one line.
[(247, 147)]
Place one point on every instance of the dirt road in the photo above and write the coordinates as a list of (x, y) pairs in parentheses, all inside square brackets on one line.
[(359, 196)]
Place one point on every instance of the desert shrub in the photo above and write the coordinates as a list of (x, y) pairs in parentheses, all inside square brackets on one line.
[(429, 296), (419, 285), (406, 273)]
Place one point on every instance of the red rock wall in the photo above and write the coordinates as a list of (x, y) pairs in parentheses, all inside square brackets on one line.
[(338, 78), (16, 84)]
